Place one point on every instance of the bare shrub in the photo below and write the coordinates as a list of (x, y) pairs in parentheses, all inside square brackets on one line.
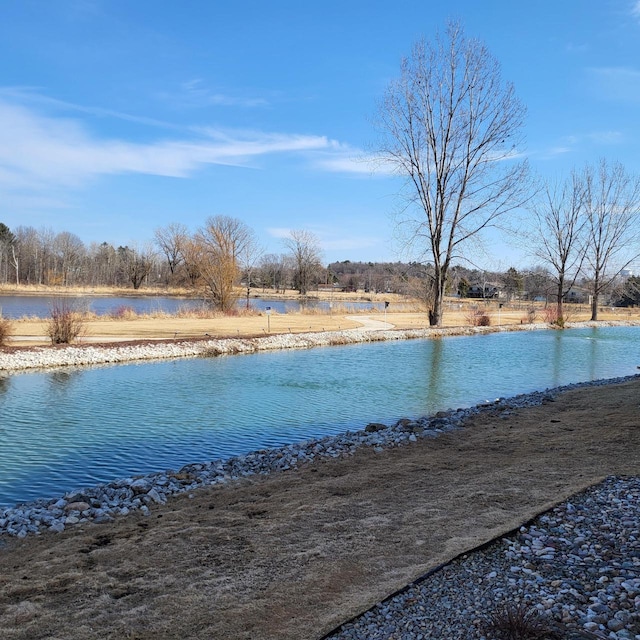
[(520, 622), (531, 314), (124, 312), (5, 330), (65, 323), (551, 317), (478, 318)]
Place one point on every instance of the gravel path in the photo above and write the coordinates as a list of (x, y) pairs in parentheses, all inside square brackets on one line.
[(575, 570)]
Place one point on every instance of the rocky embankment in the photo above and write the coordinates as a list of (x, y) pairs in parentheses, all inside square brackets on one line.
[(104, 502), (84, 355)]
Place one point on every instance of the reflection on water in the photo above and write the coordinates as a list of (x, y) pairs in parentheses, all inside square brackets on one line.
[(68, 428), (61, 378), (435, 378)]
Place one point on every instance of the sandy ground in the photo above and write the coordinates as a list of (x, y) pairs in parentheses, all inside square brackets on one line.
[(292, 555)]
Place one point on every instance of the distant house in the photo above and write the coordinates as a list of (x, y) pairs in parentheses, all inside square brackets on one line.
[(486, 292), (576, 295)]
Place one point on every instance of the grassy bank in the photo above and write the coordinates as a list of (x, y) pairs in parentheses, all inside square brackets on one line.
[(125, 324)]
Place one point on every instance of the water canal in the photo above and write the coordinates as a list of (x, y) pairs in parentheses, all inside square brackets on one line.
[(69, 428)]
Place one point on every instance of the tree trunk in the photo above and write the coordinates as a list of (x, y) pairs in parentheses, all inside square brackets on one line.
[(560, 309), (594, 308), (594, 301), (437, 299)]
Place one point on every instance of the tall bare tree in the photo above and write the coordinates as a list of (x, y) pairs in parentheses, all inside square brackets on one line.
[(221, 243), (612, 207), (306, 256), (450, 126), (557, 233)]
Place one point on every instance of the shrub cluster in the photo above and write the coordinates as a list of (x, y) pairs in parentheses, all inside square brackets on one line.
[(65, 324)]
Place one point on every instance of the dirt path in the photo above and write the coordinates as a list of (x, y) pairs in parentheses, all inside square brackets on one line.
[(292, 555), (369, 324)]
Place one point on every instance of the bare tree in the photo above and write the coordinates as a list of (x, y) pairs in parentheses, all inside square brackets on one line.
[(136, 264), (612, 207), (450, 126), (222, 242), (306, 255), (248, 259), (557, 233), (69, 252), (171, 241), (272, 271), (193, 255), (538, 283)]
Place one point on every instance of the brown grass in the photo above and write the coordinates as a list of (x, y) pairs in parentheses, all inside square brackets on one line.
[(6, 329), (195, 323)]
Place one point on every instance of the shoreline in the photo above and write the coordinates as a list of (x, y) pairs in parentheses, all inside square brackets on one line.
[(40, 358), (104, 502), (293, 555)]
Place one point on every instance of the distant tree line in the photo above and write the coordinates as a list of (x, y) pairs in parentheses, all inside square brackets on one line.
[(224, 253)]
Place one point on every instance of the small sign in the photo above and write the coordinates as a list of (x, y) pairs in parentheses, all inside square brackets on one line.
[(268, 310)]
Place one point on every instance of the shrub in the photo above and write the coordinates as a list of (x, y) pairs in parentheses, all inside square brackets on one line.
[(478, 318), (5, 330), (551, 316), (65, 323), (520, 622), (123, 312)]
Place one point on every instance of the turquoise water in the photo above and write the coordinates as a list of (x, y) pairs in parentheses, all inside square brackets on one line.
[(68, 428)]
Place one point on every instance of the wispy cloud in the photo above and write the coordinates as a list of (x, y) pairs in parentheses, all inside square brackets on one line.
[(617, 83), (346, 159), (573, 47), (195, 93), (570, 143), (635, 9), (279, 232), (41, 151), (31, 97)]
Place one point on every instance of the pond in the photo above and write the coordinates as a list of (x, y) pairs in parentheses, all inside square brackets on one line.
[(68, 428), (40, 306)]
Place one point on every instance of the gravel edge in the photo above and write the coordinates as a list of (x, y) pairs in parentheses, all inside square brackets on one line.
[(87, 355)]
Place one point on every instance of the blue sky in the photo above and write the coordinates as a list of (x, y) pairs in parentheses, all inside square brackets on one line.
[(121, 116)]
